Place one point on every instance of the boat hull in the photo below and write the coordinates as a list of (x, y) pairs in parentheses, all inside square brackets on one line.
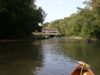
[(77, 71)]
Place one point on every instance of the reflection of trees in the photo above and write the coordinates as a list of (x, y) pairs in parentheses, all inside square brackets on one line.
[(19, 58), (83, 51)]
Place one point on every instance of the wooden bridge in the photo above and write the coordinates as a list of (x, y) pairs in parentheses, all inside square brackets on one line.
[(48, 32)]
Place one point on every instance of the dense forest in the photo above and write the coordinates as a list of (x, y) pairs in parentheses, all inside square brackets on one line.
[(84, 23), (18, 18)]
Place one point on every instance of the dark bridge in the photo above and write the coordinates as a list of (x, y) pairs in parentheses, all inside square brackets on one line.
[(52, 31), (48, 32)]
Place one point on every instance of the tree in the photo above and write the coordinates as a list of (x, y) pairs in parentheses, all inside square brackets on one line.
[(18, 18), (84, 23)]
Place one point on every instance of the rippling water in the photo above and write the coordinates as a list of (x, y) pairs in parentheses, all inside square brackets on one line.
[(56, 56)]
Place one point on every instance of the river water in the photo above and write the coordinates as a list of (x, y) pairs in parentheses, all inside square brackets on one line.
[(56, 56)]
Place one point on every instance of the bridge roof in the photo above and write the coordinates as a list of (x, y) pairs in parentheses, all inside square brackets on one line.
[(52, 29)]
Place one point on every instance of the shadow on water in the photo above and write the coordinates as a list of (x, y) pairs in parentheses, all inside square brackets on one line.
[(82, 50), (19, 58), (56, 56)]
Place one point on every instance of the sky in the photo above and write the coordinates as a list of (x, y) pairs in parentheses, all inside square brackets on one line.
[(58, 9)]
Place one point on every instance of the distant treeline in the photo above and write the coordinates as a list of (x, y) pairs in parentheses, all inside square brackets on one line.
[(19, 18), (84, 23)]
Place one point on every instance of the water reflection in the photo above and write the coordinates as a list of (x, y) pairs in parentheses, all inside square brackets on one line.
[(56, 56), (19, 58), (80, 50), (54, 62)]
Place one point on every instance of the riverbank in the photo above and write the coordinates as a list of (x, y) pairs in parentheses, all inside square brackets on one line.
[(83, 39), (32, 38), (77, 38), (12, 40), (40, 37)]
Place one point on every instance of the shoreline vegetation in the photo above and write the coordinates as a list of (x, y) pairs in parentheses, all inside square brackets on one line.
[(84, 39), (32, 38), (12, 40), (39, 37), (84, 23)]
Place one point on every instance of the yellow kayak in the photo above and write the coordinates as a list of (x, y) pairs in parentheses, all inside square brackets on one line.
[(82, 69)]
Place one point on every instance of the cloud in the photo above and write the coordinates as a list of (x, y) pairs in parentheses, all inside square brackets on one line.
[(60, 2), (45, 0)]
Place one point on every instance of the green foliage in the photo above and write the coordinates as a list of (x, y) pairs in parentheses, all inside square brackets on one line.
[(18, 18), (59, 24), (85, 23), (74, 25)]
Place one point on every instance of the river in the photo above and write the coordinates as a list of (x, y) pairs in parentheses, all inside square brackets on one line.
[(56, 56)]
